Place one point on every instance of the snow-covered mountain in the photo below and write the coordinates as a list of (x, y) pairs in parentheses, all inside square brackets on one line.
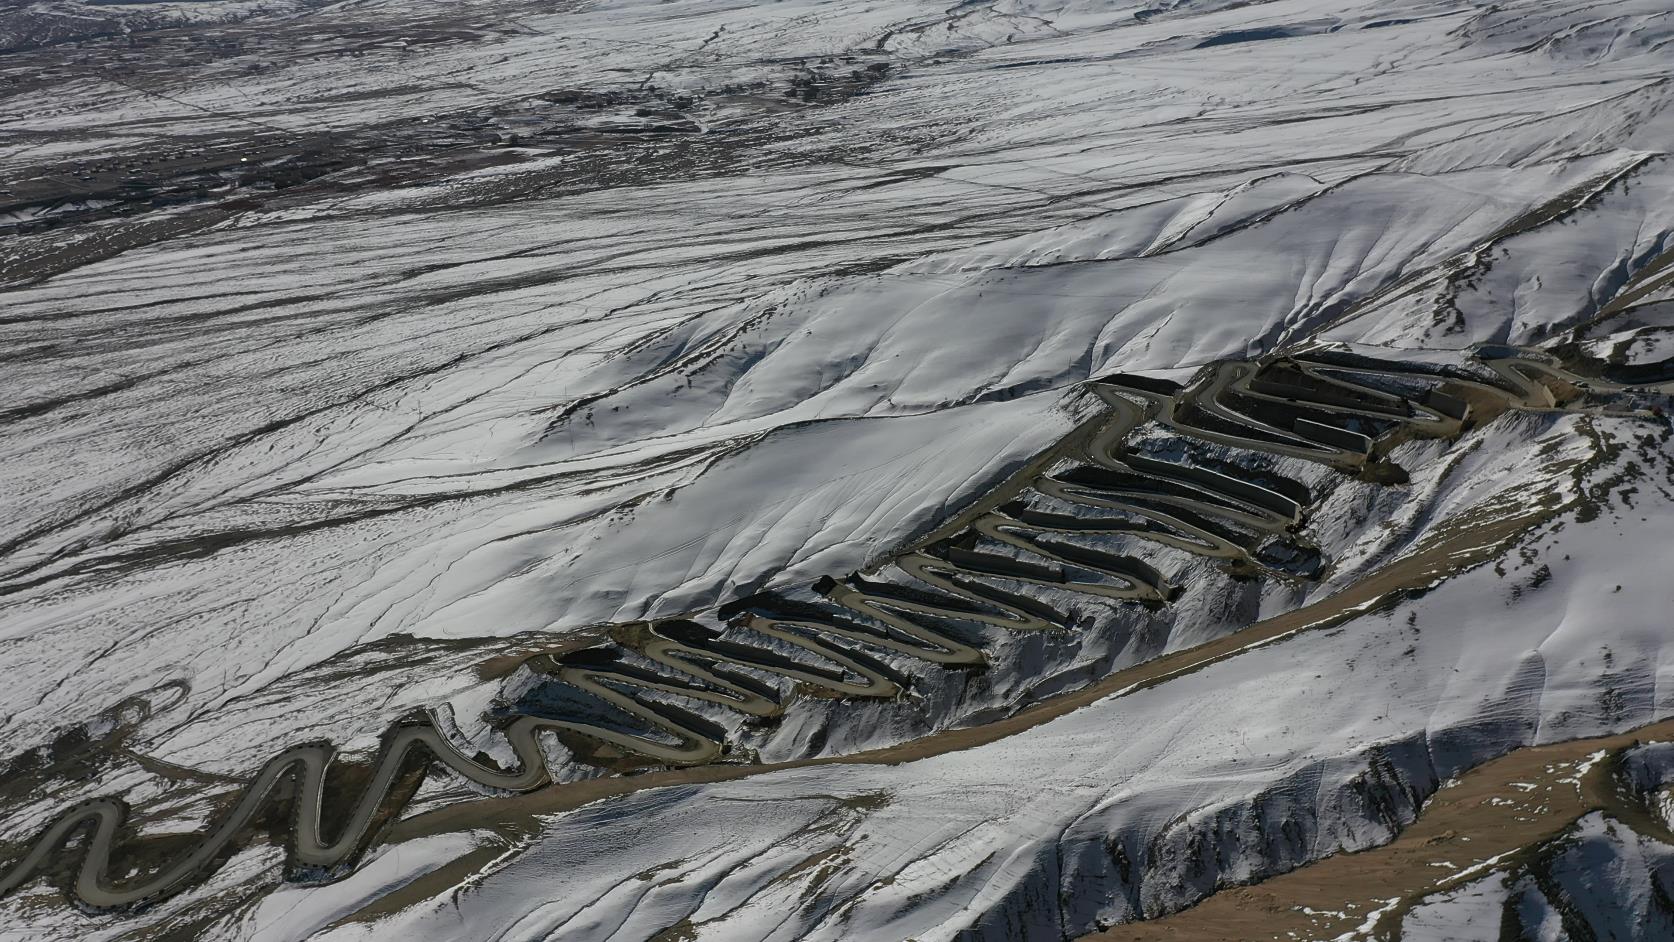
[(381, 369)]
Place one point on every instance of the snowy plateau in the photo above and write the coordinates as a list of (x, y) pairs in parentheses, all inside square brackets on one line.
[(745, 470)]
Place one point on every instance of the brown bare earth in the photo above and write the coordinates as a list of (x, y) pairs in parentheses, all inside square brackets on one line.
[(1484, 820)]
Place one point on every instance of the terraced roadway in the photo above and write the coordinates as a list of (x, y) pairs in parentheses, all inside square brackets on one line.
[(1340, 412)]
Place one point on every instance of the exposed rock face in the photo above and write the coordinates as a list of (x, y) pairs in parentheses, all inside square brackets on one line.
[(1601, 881), (1610, 876)]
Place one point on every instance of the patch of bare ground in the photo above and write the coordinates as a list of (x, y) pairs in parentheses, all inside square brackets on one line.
[(1488, 819)]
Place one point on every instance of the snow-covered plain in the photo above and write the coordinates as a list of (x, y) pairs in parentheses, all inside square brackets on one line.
[(282, 464)]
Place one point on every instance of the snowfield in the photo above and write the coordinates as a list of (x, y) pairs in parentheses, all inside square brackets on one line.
[(355, 352)]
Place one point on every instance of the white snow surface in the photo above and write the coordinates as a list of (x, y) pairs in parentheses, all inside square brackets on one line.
[(531, 399), (992, 840)]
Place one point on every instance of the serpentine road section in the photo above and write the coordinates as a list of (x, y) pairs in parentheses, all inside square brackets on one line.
[(1342, 412)]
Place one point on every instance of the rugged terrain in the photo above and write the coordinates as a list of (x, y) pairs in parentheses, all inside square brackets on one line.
[(832, 470)]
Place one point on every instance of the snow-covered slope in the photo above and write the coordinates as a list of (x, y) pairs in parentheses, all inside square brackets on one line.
[(355, 352), (1134, 806)]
